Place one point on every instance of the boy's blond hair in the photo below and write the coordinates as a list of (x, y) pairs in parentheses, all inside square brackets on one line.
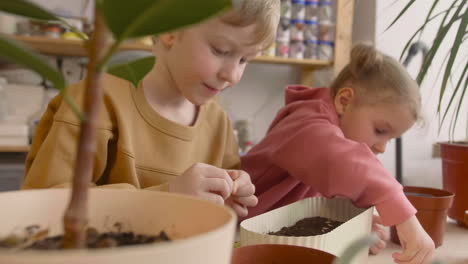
[(264, 13), (378, 78)]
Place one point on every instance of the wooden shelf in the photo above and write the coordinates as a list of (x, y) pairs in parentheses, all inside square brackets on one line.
[(64, 47), (14, 148)]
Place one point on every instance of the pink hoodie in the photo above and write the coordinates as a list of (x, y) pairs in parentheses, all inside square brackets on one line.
[(305, 154)]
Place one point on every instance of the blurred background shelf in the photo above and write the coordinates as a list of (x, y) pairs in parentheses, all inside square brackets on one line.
[(65, 47), (14, 148)]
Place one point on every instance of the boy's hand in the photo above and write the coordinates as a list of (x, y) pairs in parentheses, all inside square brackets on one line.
[(242, 193), (418, 246), (381, 234), (204, 181)]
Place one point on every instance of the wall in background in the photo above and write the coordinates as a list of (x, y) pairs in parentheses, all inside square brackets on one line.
[(419, 166)]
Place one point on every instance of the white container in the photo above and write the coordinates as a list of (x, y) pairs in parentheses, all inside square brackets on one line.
[(21, 76), (3, 100), (357, 224), (202, 232), (7, 23), (13, 134)]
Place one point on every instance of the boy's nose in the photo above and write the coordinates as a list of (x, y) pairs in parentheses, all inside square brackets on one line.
[(230, 74)]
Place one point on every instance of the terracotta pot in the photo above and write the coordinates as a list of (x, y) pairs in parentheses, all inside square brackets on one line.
[(466, 217), (203, 232), (275, 253), (455, 178), (432, 205)]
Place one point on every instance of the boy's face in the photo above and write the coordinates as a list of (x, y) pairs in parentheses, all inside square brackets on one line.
[(210, 57), (375, 125)]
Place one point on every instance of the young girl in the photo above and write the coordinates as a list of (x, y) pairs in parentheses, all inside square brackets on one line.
[(324, 142), (167, 134)]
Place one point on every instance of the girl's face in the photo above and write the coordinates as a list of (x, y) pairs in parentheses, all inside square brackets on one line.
[(375, 125), (205, 59)]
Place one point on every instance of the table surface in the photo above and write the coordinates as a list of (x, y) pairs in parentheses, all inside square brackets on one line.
[(454, 249)]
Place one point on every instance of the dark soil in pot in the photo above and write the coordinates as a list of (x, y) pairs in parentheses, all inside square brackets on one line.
[(311, 226)]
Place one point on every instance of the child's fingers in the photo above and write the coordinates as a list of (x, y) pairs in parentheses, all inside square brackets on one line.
[(240, 210), (216, 185), (381, 233), (243, 185), (234, 174), (248, 201), (377, 246), (216, 198), (217, 173), (377, 220), (408, 257), (244, 190)]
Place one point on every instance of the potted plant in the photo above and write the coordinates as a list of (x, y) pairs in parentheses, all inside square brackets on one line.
[(452, 93), (210, 232)]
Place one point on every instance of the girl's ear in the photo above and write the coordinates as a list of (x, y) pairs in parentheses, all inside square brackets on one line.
[(167, 39), (343, 100)]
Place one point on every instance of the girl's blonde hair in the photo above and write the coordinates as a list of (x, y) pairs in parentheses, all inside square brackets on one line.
[(264, 13), (378, 78)]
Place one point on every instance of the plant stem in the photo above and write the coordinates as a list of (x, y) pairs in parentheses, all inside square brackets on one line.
[(76, 216)]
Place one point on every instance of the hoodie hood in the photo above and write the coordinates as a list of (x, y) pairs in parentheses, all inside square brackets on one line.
[(296, 93)]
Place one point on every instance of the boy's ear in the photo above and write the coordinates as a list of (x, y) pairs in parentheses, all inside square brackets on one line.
[(167, 39), (343, 100)]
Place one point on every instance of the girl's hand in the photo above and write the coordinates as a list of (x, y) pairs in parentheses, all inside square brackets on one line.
[(418, 246), (381, 234)]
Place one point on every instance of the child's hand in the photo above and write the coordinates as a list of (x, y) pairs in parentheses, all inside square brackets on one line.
[(418, 246), (204, 181), (381, 234), (242, 193)]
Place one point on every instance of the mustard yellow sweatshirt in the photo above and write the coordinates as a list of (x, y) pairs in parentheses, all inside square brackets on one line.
[(136, 147)]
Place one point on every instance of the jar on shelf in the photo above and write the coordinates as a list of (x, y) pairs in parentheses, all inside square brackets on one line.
[(284, 30), (311, 30), (325, 50), (298, 9), (285, 10), (311, 9), (282, 49), (326, 30), (311, 49), (325, 10), (52, 31), (296, 49), (297, 30)]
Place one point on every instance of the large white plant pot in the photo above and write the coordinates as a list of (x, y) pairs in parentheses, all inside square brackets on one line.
[(203, 231)]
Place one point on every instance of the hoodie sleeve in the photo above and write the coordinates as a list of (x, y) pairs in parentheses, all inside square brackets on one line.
[(319, 155)]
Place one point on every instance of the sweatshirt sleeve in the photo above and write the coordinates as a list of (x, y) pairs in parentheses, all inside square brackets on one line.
[(319, 155)]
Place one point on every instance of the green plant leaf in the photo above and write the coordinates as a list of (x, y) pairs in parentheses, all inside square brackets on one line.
[(453, 54), (440, 36), (402, 12), (18, 53), (133, 71), (136, 18), (457, 113), (420, 29), (27, 9), (454, 93)]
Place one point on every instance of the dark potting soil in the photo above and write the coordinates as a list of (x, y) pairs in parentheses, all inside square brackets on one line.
[(311, 226), (94, 240)]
